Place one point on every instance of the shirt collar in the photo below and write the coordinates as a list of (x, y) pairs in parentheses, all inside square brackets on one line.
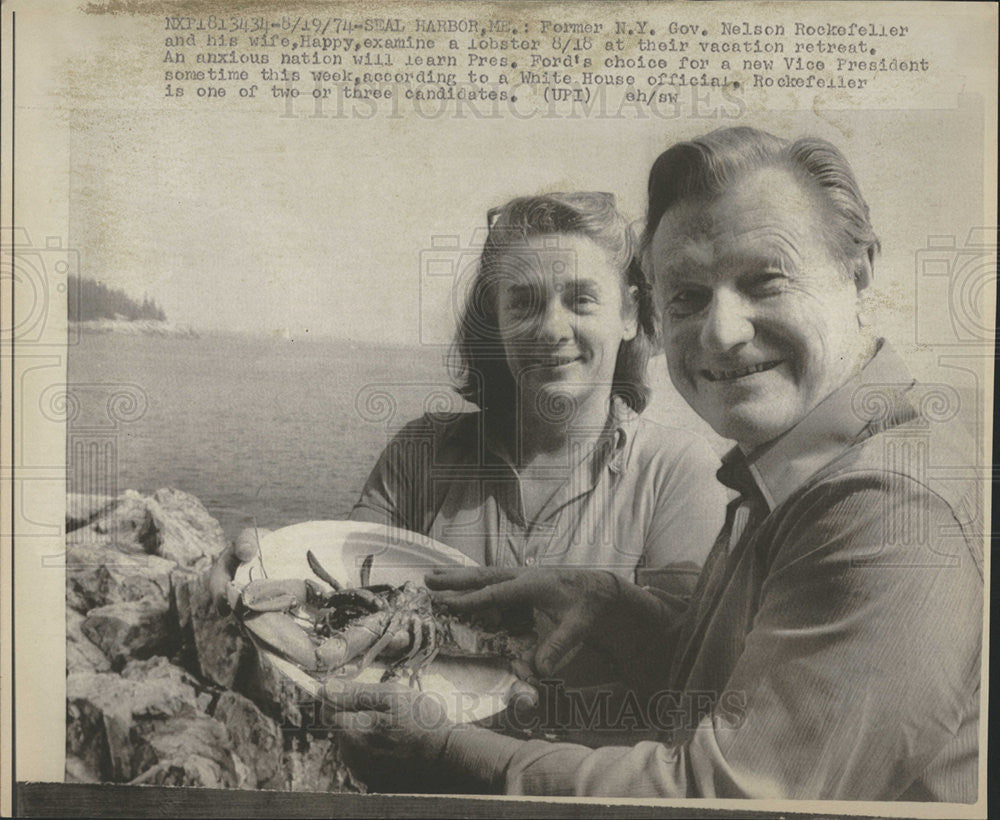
[(622, 422), (612, 451), (871, 400)]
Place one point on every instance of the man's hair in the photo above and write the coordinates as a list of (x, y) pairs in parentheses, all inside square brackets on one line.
[(703, 168), (477, 361)]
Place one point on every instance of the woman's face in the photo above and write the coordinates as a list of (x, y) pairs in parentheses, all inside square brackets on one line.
[(562, 312)]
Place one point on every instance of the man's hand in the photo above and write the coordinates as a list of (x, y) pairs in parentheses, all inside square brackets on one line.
[(391, 736), (581, 603)]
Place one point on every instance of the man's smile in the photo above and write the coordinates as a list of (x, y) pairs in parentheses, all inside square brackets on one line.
[(713, 375)]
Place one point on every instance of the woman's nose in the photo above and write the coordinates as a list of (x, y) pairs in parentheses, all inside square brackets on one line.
[(728, 323), (555, 322)]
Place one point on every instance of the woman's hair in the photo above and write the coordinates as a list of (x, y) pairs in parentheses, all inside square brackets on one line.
[(478, 363), (706, 166)]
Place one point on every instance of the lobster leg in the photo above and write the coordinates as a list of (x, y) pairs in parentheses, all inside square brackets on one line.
[(321, 573), (428, 651), (416, 641), (366, 569), (384, 641)]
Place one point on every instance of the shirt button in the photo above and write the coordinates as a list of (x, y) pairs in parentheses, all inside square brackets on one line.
[(529, 562)]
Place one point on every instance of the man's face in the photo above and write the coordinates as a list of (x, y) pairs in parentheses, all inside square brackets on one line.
[(760, 321)]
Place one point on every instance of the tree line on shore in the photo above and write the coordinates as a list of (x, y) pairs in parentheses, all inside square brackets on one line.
[(89, 299)]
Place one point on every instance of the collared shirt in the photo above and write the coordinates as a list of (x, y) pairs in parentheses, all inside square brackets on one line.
[(833, 650), (643, 498)]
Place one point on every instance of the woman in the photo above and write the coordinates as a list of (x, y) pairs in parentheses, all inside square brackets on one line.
[(557, 466)]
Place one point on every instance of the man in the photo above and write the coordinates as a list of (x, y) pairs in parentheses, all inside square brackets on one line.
[(832, 646)]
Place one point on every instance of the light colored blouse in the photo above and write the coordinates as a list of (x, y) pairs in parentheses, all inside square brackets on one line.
[(644, 498)]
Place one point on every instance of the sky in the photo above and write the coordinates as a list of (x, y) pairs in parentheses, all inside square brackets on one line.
[(242, 218)]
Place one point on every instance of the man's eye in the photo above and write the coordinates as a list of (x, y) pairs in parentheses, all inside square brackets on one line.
[(686, 302), (583, 301), (769, 284)]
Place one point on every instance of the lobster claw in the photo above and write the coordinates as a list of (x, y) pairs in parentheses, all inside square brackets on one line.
[(278, 595), (280, 633)]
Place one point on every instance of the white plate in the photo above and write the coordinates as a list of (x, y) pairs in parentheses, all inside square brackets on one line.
[(469, 689)]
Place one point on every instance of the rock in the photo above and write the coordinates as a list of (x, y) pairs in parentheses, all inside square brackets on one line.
[(192, 751), (161, 670), (185, 531), (129, 629), (74, 601), (217, 643), (81, 654), (86, 738), (315, 765), (171, 524), (257, 739), (136, 590), (144, 726), (164, 693), (278, 696), (79, 771), (125, 526), (82, 508), (98, 575), (107, 717)]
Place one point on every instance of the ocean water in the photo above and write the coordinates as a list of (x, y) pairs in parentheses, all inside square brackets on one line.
[(272, 430), (275, 430)]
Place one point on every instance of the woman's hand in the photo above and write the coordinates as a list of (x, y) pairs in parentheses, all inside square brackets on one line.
[(243, 549), (581, 603)]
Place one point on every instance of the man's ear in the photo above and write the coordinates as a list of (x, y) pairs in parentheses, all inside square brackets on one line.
[(864, 270), (630, 314)]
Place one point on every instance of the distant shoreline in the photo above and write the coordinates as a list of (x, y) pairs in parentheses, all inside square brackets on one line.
[(134, 327), (150, 327)]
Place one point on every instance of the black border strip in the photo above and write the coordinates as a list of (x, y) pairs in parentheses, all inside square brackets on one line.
[(93, 800)]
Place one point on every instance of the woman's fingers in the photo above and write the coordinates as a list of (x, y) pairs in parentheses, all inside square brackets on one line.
[(219, 577), (522, 696), (361, 697), (357, 723), (247, 543), (244, 548)]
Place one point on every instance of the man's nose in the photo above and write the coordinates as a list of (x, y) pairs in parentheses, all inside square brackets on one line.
[(729, 322)]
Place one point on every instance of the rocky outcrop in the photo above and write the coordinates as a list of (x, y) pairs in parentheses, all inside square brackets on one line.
[(82, 508), (161, 688), (170, 524), (81, 654), (98, 575)]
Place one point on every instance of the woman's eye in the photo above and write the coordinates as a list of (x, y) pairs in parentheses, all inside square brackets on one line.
[(518, 301)]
